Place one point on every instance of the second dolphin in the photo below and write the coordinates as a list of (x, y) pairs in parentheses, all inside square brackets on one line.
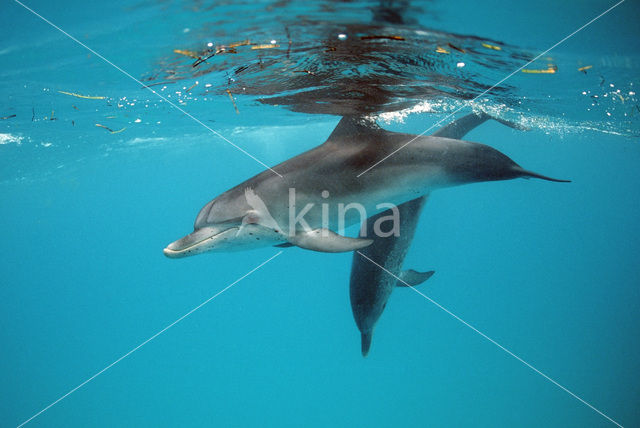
[(374, 268)]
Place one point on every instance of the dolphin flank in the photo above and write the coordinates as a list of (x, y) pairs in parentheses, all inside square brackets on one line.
[(293, 206)]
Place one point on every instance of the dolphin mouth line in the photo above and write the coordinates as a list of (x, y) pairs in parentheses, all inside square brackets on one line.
[(169, 252)]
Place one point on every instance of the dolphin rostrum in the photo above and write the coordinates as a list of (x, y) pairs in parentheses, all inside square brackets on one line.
[(370, 286), (265, 210)]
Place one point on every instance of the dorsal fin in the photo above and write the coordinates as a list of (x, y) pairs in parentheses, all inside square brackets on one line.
[(353, 125)]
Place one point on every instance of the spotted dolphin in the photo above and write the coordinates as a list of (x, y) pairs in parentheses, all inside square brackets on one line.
[(325, 183), (374, 268)]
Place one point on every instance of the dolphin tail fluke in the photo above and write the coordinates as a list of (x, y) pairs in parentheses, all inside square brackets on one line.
[(366, 342), (529, 174), (461, 126)]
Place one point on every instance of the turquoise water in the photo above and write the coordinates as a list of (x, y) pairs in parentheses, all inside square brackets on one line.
[(549, 271)]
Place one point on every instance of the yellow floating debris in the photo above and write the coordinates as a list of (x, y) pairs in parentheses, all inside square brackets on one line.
[(233, 101), (242, 43), (441, 50), (551, 70), (494, 47), (381, 37), (109, 129), (269, 46), (87, 97), (192, 86), (585, 68), (186, 53)]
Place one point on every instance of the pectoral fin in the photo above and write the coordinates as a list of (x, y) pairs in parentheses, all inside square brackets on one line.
[(411, 278), (327, 241), (251, 217)]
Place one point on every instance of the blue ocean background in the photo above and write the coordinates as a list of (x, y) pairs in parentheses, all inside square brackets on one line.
[(550, 271)]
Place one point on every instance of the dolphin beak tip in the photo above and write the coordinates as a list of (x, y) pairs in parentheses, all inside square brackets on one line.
[(170, 253)]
